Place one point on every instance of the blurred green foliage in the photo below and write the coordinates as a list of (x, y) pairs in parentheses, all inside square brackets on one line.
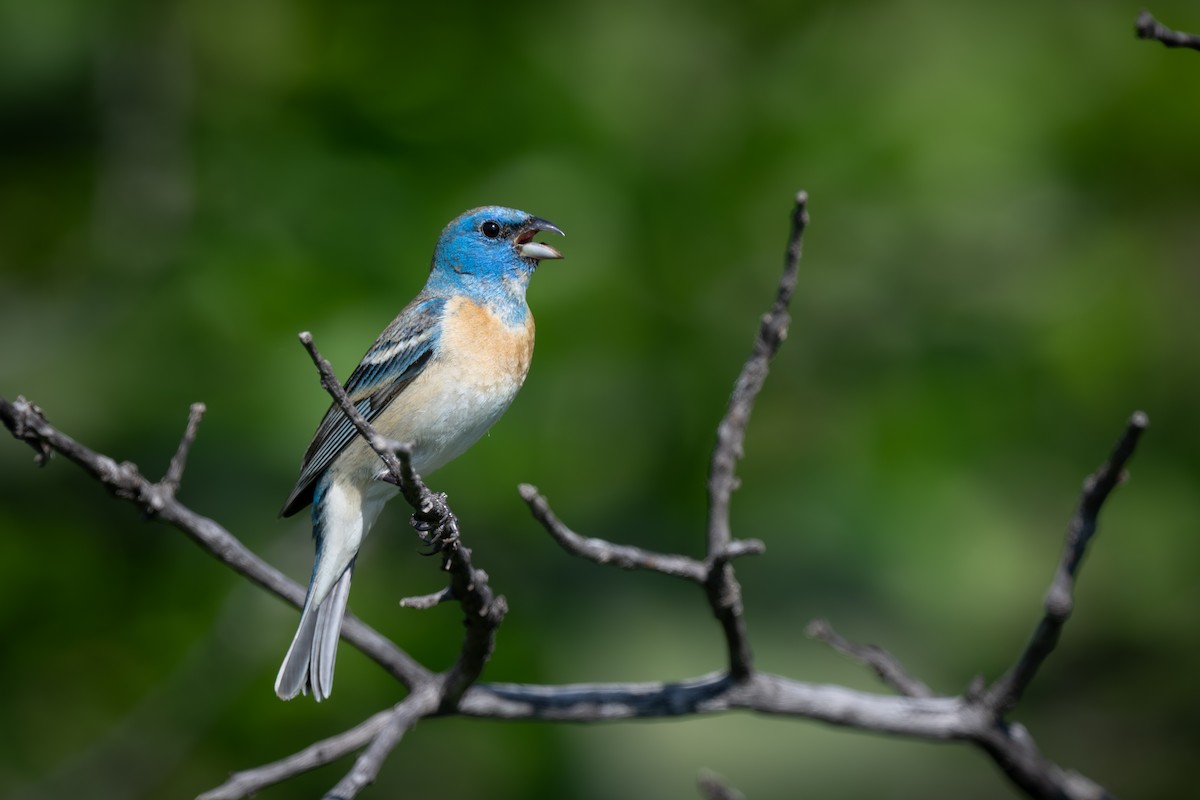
[(1002, 265)]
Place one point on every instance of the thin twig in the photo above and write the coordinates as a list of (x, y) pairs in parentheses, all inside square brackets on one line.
[(170, 481), (1147, 27), (603, 552), (432, 515), (393, 454), (252, 781), (1007, 691), (724, 592), (883, 663), (402, 718), (425, 602), (731, 431)]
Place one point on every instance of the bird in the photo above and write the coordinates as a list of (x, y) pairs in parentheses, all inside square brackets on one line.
[(437, 378)]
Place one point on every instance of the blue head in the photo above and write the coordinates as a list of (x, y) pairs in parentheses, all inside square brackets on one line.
[(489, 253)]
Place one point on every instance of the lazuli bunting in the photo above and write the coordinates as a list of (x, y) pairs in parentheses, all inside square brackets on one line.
[(437, 378)]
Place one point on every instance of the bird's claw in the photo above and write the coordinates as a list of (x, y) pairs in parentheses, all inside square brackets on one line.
[(435, 525), (439, 540)]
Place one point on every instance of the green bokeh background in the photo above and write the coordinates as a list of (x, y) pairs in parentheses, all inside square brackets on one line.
[(1002, 265)]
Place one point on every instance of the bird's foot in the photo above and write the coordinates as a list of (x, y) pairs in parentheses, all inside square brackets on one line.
[(436, 524)]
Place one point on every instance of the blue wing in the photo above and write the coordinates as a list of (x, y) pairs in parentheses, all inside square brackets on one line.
[(398, 356)]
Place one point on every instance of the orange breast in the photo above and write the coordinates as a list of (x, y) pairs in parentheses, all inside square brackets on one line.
[(483, 350)]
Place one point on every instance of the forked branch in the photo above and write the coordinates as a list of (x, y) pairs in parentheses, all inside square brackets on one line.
[(978, 716)]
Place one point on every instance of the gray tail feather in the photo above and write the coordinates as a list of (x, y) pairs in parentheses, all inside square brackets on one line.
[(328, 631), (310, 660)]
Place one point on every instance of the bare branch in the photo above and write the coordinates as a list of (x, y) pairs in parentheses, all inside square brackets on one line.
[(251, 781), (27, 423), (929, 718), (170, 481), (22, 419), (391, 453), (433, 518), (603, 552), (400, 720), (381, 730), (883, 663), (731, 432), (976, 717), (483, 612), (427, 601), (724, 593), (1014, 751), (1147, 27), (936, 718), (715, 573), (1006, 692)]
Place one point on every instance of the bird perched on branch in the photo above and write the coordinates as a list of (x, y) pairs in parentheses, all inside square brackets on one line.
[(437, 378)]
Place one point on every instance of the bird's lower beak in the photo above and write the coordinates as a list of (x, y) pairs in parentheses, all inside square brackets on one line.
[(537, 250)]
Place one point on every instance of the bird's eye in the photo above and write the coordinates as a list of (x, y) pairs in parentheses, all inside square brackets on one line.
[(490, 229)]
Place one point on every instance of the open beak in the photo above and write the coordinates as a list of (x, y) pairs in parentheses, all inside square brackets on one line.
[(528, 248)]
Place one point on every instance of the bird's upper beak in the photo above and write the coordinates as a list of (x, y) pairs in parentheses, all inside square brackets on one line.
[(536, 250)]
